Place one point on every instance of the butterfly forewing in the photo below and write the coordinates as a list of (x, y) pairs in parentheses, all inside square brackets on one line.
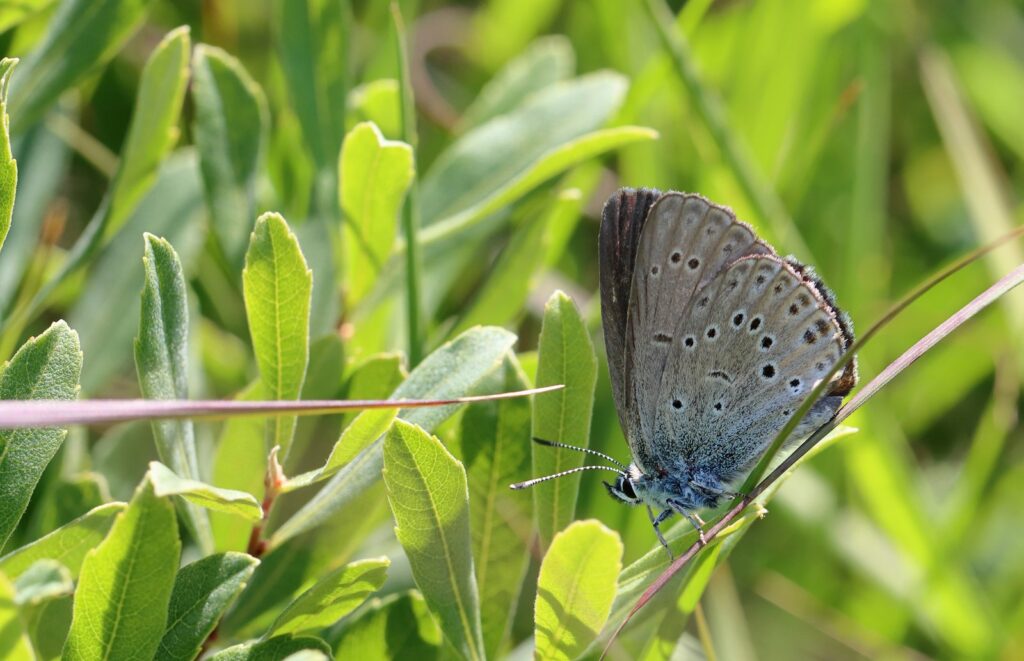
[(685, 242)]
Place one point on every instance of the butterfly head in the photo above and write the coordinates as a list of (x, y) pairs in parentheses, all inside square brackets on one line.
[(623, 490)]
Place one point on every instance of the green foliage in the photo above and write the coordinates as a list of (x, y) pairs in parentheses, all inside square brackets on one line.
[(874, 143), (277, 285), (430, 500), (46, 367)]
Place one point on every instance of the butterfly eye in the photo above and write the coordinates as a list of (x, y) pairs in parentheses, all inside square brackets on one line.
[(625, 485)]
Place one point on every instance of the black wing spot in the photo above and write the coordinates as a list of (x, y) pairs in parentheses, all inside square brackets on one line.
[(755, 323), (822, 327), (794, 309), (778, 288), (718, 406), (719, 374), (655, 270), (703, 303), (676, 257), (768, 371), (727, 248), (676, 404), (760, 279), (737, 319), (810, 337), (712, 332), (689, 341), (733, 284), (767, 342), (693, 263)]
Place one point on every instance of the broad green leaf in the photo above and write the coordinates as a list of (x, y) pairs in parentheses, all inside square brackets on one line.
[(167, 483), (239, 463), (170, 209), (566, 356), (376, 101), (396, 627), (545, 62), (202, 592), (314, 44), (82, 36), (544, 167), (14, 640), (366, 428), (125, 586), (454, 369), (45, 579), (230, 129), (64, 500), (161, 360), (575, 589), (495, 448), (154, 127), (503, 295), (8, 166), (13, 13), (279, 647), (488, 158), (374, 176), (45, 367), (332, 598), (67, 545), (430, 501), (503, 28), (277, 286)]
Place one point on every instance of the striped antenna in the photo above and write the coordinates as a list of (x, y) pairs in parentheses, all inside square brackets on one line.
[(538, 480), (555, 444)]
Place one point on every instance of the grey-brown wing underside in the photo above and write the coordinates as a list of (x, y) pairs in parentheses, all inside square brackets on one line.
[(685, 242), (746, 351)]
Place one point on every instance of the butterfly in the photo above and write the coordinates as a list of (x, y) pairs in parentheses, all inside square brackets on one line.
[(713, 341)]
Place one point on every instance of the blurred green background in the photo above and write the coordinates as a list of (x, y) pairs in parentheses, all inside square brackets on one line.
[(875, 140)]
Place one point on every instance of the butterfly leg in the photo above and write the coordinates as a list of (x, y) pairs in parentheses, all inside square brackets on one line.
[(656, 522), (713, 491), (694, 520)]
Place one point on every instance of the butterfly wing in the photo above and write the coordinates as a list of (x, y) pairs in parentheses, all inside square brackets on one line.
[(622, 221), (683, 244), (747, 349)]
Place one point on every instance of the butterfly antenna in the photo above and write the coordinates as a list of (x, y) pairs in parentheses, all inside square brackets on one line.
[(555, 444), (538, 480)]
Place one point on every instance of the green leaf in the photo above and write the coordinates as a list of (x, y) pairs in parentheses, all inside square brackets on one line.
[(495, 448), (429, 497), (313, 40), (276, 648), (45, 367), (64, 500), (575, 589), (366, 428), (8, 166), (374, 176), (277, 286), (545, 62), (170, 209), (566, 356), (167, 483), (332, 597), (121, 602), (82, 36), (397, 627), (161, 359), (154, 127), (453, 370), (46, 579), (67, 545), (14, 640), (13, 13), (377, 101), (239, 463), (202, 592), (488, 158), (230, 132)]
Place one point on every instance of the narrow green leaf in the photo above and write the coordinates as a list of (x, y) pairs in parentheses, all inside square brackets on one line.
[(230, 132), (64, 500), (397, 627), (67, 545), (13, 13), (575, 589), (313, 39), (279, 647), (495, 448), (121, 602), (487, 158), (161, 360), (45, 367), (202, 592), (332, 597), (239, 463), (277, 286), (429, 497), (452, 370), (154, 127), (14, 640), (167, 483), (8, 166), (376, 101), (366, 428), (374, 176), (566, 356), (545, 62), (82, 36), (46, 579)]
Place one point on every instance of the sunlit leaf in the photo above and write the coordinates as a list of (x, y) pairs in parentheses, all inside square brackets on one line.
[(332, 597), (166, 483)]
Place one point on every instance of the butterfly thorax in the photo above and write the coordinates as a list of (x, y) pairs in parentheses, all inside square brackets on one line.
[(677, 487)]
